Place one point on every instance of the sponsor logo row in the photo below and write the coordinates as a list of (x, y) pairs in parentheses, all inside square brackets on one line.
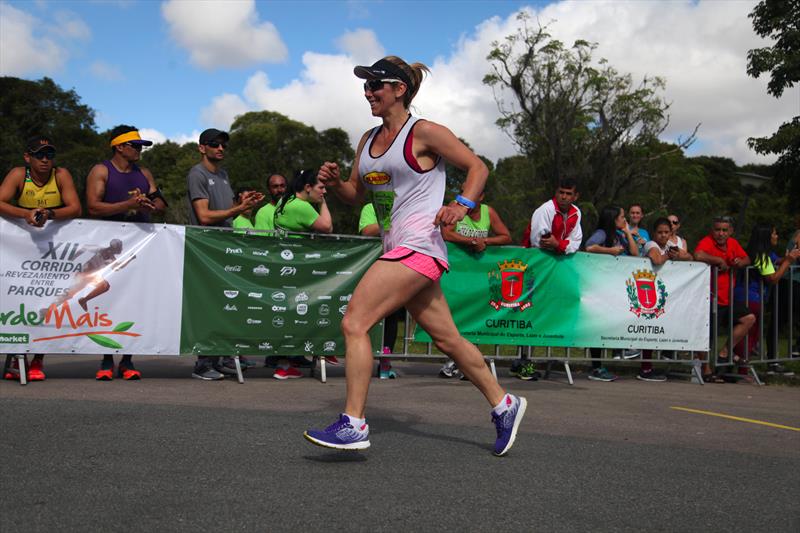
[(285, 254), (308, 346), (284, 272)]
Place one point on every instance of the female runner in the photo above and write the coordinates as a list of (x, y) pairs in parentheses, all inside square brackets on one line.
[(401, 163)]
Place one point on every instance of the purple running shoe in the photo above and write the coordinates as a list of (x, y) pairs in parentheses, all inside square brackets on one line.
[(508, 423), (341, 435)]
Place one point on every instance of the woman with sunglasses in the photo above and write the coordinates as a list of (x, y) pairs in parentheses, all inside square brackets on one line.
[(676, 240), (401, 163), (41, 192)]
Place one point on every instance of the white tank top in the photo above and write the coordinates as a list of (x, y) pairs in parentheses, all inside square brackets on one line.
[(406, 199)]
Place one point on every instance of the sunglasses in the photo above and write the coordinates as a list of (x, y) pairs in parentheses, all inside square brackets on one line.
[(215, 144), (376, 85), (674, 222), (137, 147), (41, 154)]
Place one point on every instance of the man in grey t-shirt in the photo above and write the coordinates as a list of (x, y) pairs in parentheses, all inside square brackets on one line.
[(210, 199), (210, 193)]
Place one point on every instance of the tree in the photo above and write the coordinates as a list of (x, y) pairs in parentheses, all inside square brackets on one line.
[(170, 163), (779, 20), (572, 116), (29, 108)]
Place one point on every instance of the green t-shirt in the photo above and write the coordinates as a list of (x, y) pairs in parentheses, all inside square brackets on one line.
[(367, 218), (764, 266), (264, 218), (475, 228), (298, 215), (242, 222)]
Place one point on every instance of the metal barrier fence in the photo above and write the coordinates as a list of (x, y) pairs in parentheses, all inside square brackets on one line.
[(779, 345)]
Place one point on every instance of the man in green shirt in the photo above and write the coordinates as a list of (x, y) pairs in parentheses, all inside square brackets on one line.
[(276, 186)]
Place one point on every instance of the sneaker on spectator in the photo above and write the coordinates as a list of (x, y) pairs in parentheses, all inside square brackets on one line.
[(527, 371), (449, 370), (12, 372), (775, 369), (287, 373), (631, 354), (245, 362), (650, 375), (341, 435), (332, 360), (385, 368), (601, 374), (225, 366), (36, 371), (516, 364), (387, 373), (207, 374), (507, 424)]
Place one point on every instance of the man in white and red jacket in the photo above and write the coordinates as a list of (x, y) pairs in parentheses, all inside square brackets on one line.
[(556, 224)]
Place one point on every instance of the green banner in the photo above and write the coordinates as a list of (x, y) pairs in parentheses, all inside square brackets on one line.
[(523, 296), (263, 295)]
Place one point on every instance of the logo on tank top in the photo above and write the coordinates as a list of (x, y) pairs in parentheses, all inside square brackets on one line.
[(377, 178), (511, 286)]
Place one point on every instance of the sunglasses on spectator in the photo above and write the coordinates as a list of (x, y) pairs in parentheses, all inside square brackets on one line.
[(137, 147), (675, 222), (41, 154), (216, 144), (376, 85)]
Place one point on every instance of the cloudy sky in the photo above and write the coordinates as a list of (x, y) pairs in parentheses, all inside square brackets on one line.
[(176, 67)]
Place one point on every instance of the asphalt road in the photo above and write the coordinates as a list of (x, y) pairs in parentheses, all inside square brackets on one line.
[(170, 453)]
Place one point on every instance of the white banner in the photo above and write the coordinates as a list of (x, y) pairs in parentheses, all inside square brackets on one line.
[(90, 287)]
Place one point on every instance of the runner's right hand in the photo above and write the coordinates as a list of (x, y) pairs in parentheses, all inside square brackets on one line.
[(329, 174)]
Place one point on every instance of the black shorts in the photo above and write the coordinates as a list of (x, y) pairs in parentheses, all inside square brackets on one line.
[(738, 309)]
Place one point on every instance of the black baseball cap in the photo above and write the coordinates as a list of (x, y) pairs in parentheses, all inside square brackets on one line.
[(37, 143), (212, 134), (382, 69)]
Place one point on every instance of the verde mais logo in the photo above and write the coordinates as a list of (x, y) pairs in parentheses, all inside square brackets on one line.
[(510, 286), (94, 325), (647, 295)]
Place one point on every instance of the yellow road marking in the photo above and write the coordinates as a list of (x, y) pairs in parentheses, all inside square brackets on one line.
[(740, 419)]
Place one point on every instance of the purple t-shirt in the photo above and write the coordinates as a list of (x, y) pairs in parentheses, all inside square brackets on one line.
[(118, 186)]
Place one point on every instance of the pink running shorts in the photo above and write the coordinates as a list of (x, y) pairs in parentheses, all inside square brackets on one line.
[(428, 266)]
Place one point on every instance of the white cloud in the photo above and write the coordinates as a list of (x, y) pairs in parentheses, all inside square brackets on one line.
[(70, 26), (150, 134), (361, 45), (223, 110), (700, 48), (105, 71), (159, 137), (223, 34), (29, 46)]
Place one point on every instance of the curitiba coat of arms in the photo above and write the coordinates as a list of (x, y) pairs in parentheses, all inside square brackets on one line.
[(510, 286), (646, 294)]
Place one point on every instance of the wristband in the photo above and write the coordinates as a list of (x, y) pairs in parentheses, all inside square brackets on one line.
[(469, 204), (51, 215)]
